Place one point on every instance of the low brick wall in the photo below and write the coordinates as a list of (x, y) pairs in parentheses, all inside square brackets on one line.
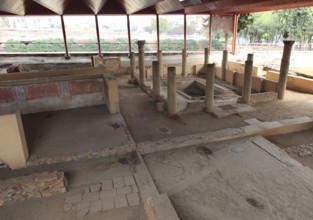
[(38, 93), (31, 186)]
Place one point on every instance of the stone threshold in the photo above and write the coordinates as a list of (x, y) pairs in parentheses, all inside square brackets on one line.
[(254, 127)]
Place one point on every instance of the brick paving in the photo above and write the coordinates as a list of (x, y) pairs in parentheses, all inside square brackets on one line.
[(109, 194)]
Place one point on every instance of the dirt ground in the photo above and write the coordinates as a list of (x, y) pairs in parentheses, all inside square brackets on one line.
[(233, 180), (146, 124), (298, 145), (238, 181)]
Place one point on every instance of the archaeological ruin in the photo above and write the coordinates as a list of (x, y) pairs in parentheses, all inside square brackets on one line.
[(150, 132)]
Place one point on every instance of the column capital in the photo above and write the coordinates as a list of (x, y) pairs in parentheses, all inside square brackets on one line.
[(141, 43), (289, 42)]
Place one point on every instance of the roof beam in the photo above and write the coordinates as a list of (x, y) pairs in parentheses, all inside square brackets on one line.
[(168, 6), (57, 6), (236, 6), (216, 5), (268, 6), (16, 7), (95, 5), (132, 6)]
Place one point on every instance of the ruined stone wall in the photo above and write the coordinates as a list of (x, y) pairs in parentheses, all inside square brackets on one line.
[(55, 90), (31, 186)]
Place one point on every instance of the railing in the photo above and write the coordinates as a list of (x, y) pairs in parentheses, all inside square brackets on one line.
[(267, 47)]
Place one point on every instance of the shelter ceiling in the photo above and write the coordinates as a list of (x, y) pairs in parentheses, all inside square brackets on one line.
[(119, 7)]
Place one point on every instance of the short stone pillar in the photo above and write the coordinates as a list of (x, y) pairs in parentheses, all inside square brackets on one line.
[(247, 81), (206, 59), (250, 57), (160, 60), (156, 85), (184, 62), (141, 51), (209, 87), (132, 65), (171, 91), (224, 64), (284, 68)]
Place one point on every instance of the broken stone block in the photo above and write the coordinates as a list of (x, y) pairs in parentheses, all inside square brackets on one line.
[(129, 180), (91, 196), (83, 212), (106, 184), (18, 68), (118, 182), (108, 203), (124, 190), (95, 188), (95, 206), (107, 193), (135, 188), (74, 198), (133, 199), (120, 201)]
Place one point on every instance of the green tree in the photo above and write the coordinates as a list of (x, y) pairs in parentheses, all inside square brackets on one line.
[(245, 21), (298, 23), (163, 24)]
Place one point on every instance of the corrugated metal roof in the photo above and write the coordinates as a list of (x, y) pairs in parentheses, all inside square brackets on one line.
[(81, 7)]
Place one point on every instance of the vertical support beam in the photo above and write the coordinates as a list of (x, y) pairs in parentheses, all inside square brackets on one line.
[(171, 91), (132, 65), (98, 36), (141, 53), (209, 87), (129, 36), (185, 31), (224, 64), (210, 34), (247, 82), (156, 86), (67, 55), (160, 62), (235, 26), (206, 58), (284, 68), (158, 31), (184, 62)]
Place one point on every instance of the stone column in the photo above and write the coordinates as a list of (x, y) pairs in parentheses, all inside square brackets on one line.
[(206, 59), (160, 62), (184, 63), (209, 87), (171, 91), (132, 65), (247, 82), (224, 64), (250, 57), (284, 68), (156, 86), (141, 53)]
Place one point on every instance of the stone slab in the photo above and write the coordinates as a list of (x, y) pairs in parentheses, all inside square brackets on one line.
[(108, 203), (133, 199), (120, 201)]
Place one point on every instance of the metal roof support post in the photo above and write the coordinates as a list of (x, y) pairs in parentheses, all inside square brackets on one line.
[(236, 16), (67, 55), (158, 31), (185, 31), (210, 34), (129, 36), (98, 37)]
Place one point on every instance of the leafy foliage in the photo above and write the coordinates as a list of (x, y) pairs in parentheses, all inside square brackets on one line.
[(245, 21), (119, 44)]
